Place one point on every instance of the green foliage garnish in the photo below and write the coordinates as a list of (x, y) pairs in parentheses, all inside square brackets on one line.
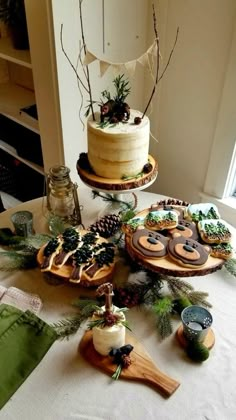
[(230, 266)]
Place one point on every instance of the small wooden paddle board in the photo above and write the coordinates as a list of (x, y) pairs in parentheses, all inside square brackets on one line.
[(141, 369)]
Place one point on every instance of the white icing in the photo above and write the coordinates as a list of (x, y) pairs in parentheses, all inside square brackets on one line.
[(118, 150), (204, 207), (106, 338)]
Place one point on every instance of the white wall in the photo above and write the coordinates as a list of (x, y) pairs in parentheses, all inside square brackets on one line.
[(191, 92)]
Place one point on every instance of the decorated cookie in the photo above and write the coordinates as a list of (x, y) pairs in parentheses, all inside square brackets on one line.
[(150, 244), (214, 231), (224, 250), (187, 252), (161, 219), (186, 228), (180, 210), (131, 225), (201, 211)]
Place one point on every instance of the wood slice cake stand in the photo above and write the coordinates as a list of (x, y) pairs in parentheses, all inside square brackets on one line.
[(118, 185), (142, 368), (168, 266), (102, 276)]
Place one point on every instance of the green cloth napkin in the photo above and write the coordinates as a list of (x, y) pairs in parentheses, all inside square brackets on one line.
[(24, 340)]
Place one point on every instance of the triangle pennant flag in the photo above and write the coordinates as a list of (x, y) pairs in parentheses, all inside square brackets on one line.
[(89, 58), (130, 67), (104, 65), (144, 60)]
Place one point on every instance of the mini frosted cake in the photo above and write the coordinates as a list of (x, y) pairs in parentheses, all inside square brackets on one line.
[(118, 150), (106, 338)]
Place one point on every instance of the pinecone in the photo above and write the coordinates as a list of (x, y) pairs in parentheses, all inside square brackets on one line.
[(107, 226), (125, 360)]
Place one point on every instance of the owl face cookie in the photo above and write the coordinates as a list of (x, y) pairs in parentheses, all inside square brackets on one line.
[(187, 252), (150, 244)]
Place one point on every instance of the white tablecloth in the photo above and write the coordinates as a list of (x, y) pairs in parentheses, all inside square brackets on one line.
[(64, 386)]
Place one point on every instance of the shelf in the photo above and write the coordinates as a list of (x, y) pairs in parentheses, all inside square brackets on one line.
[(21, 57), (10, 150), (12, 99)]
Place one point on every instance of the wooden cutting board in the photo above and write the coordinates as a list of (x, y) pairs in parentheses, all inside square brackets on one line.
[(141, 369)]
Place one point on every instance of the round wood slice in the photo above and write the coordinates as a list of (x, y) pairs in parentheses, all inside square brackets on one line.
[(168, 266), (104, 275), (141, 369), (107, 184), (209, 340)]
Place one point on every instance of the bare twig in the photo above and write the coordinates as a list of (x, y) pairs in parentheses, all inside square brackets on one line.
[(157, 79), (87, 69), (71, 64)]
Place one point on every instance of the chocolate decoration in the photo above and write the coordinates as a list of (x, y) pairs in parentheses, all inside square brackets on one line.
[(199, 257), (152, 240), (188, 248)]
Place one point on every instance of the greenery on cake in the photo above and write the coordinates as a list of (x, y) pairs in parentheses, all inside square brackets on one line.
[(115, 110)]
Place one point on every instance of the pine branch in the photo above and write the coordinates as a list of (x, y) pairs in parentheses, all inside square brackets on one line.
[(67, 327), (163, 309), (199, 298), (111, 198), (230, 266), (13, 260), (178, 287)]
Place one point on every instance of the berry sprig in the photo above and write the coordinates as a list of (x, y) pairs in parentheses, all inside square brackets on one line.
[(121, 357)]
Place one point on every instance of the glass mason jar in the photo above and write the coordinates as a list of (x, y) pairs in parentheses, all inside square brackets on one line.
[(62, 197)]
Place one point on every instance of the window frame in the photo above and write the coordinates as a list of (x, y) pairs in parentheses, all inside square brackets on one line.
[(220, 179)]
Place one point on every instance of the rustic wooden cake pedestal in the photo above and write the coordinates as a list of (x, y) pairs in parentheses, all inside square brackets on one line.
[(119, 189)]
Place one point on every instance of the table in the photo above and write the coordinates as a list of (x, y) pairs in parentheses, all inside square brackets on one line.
[(64, 386)]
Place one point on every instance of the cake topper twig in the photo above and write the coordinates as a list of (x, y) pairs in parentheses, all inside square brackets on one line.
[(157, 79), (86, 70)]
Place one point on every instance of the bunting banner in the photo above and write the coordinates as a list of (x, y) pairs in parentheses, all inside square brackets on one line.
[(146, 60)]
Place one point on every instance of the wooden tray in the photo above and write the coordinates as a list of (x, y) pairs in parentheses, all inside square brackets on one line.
[(166, 265), (107, 184), (142, 368), (103, 276)]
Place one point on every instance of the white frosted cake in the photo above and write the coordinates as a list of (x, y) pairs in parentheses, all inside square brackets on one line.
[(106, 338), (118, 150)]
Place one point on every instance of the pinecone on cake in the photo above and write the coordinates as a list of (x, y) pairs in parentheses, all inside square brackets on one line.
[(106, 226)]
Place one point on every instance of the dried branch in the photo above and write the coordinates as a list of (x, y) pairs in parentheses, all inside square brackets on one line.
[(157, 79), (70, 62), (87, 69)]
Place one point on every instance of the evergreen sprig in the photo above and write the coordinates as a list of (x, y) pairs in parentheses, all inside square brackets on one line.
[(230, 266), (70, 325), (122, 88), (163, 309), (178, 287)]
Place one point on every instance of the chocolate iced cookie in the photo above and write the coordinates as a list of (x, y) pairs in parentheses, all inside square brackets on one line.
[(187, 229), (150, 244), (188, 252)]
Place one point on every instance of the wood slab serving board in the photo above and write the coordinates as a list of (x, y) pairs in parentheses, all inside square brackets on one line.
[(168, 266), (142, 368)]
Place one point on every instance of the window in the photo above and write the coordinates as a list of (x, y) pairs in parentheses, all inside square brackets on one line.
[(220, 183)]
